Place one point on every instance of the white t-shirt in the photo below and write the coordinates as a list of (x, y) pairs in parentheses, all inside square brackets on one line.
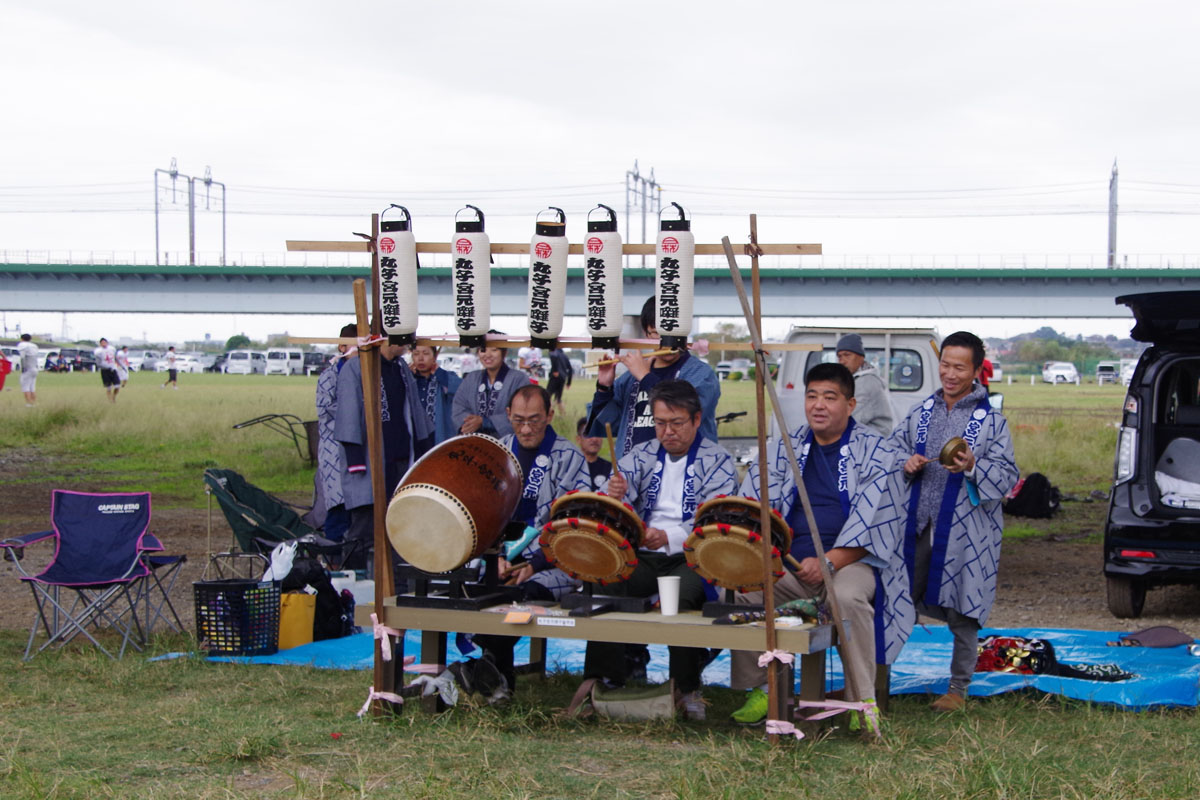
[(532, 356), (171, 356), (106, 357), (28, 351), (122, 359), (668, 509)]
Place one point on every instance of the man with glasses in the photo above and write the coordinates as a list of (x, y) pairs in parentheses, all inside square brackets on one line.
[(552, 467), (666, 480), (853, 483)]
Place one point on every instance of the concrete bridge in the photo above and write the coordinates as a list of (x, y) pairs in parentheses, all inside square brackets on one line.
[(1047, 292)]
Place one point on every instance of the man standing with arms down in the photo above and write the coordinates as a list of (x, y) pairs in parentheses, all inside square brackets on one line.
[(106, 361), (854, 486), (873, 407), (952, 537), (28, 351)]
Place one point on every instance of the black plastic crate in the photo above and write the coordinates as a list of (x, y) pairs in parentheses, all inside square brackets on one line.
[(237, 617)]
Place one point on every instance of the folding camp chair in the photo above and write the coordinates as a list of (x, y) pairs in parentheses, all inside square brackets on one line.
[(259, 522), (156, 588), (96, 571)]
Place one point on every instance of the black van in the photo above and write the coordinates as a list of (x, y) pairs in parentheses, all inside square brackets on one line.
[(1152, 536)]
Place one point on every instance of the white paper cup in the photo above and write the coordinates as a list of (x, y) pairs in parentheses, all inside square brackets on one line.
[(668, 595)]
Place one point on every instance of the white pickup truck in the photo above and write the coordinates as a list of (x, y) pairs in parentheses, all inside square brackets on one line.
[(906, 358)]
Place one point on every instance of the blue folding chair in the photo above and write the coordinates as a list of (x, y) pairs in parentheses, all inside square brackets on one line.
[(95, 575)]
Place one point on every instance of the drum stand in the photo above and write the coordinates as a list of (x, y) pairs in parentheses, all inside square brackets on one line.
[(586, 604), (720, 608), (459, 589)]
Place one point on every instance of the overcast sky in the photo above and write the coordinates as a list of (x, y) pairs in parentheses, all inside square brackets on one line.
[(872, 128)]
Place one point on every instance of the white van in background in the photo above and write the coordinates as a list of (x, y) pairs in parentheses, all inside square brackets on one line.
[(906, 359), (245, 362), (285, 362)]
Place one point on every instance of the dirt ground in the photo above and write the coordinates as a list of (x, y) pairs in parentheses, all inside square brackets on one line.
[(1048, 580)]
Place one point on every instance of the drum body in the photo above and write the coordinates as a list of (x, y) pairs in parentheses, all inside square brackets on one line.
[(725, 545), (592, 537), (454, 502)]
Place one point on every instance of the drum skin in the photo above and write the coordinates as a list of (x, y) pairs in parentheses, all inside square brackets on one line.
[(725, 545), (454, 503), (592, 537)]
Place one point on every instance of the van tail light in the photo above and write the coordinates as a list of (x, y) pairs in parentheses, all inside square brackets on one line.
[(1131, 404), (1137, 554), (1126, 455)]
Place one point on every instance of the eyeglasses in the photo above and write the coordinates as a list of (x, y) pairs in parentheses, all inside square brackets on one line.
[(531, 422), (677, 424)]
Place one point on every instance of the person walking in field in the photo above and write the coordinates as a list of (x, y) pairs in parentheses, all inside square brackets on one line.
[(106, 360), (172, 369), (123, 365), (28, 351)]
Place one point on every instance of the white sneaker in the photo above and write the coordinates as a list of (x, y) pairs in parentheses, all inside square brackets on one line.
[(695, 707)]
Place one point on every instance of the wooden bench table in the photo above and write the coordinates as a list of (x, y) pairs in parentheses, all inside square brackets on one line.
[(688, 629)]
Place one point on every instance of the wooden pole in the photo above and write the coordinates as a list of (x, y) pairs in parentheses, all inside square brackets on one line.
[(368, 359), (795, 467), (774, 711)]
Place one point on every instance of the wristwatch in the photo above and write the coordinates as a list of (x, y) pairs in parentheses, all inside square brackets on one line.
[(829, 565)]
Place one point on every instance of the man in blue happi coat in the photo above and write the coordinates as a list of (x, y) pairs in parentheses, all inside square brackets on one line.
[(955, 521), (624, 402), (666, 480), (436, 388), (854, 485)]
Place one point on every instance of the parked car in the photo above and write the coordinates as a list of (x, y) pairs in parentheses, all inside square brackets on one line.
[(1107, 372), (315, 362), (13, 357), (285, 362), (184, 362), (143, 359), (1059, 372), (78, 359), (218, 364), (1150, 536), (246, 362)]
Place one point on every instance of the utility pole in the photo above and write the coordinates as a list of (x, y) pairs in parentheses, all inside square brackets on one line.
[(641, 192), (1112, 217), (174, 174)]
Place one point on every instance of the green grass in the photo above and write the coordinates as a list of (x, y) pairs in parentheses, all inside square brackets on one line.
[(188, 728)]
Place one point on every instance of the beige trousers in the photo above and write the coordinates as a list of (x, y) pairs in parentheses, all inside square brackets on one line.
[(854, 585)]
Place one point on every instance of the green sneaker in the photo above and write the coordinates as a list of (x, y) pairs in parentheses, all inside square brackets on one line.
[(754, 710)]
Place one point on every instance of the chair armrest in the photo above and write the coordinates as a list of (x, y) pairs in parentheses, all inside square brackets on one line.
[(151, 543), (16, 542)]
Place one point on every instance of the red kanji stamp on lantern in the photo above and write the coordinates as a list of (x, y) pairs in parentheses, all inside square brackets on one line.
[(543, 250), (462, 246), (387, 244), (670, 244)]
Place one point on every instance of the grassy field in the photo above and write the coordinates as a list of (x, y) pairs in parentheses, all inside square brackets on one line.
[(80, 726), (162, 440)]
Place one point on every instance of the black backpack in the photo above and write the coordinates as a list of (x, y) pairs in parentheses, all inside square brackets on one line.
[(1036, 498)]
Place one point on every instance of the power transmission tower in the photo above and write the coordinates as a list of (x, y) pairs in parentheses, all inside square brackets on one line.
[(644, 193), (174, 174)]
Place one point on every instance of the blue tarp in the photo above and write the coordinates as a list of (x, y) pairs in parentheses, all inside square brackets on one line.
[(1165, 676)]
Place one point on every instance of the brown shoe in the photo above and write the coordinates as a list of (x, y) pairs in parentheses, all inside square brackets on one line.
[(949, 702)]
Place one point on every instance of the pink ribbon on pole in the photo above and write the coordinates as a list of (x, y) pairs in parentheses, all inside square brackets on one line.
[(367, 341), (783, 728), (782, 656), (868, 709), (384, 634), (374, 695)]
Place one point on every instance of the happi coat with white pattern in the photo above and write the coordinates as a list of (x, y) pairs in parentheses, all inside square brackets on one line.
[(567, 472), (966, 529), (713, 472), (875, 487)]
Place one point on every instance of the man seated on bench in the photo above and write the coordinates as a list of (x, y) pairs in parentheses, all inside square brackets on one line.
[(665, 480), (853, 482)]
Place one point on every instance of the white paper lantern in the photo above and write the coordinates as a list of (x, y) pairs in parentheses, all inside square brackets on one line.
[(602, 280), (471, 251), (674, 279), (547, 279), (398, 277)]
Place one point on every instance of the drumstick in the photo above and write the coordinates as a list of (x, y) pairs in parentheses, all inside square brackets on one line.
[(612, 448), (788, 557)]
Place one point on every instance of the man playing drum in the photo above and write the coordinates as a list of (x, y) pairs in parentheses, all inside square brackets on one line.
[(665, 480), (853, 482), (954, 520), (552, 467)]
